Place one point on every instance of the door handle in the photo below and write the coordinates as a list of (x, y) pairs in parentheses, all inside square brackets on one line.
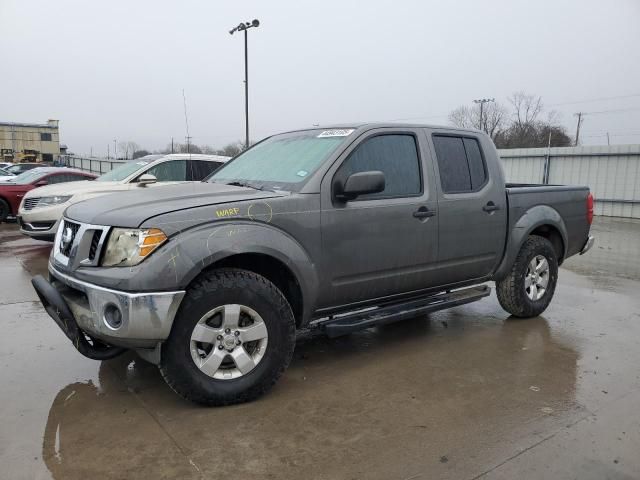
[(424, 212), (490, 207)]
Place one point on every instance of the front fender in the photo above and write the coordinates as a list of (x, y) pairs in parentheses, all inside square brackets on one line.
[(189, 252), (533, 218)]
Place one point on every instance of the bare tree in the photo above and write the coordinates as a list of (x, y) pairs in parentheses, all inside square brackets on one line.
[(520, 128), (526, 108), (493, 117), (127, 149)]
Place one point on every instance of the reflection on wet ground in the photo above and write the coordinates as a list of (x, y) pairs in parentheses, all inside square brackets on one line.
[(459, 394)]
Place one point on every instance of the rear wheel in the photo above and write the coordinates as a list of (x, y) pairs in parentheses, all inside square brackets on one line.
[(5, 211), (231, 340), (529, 287)]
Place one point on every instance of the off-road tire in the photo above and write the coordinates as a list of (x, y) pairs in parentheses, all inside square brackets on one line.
[(511, 290), (5, 211), (210, 290)]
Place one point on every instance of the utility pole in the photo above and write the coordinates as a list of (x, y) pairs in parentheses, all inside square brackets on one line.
[(171, 144), (608, 142), (108, 154), (115, 148), (579, 115), (482, 101), (188, 140), (243, 27)]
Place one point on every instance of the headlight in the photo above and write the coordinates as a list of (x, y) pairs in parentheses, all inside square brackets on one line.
[(127, 247), (55, 200)]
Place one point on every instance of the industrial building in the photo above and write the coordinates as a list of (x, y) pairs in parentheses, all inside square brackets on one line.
[(29, 142)]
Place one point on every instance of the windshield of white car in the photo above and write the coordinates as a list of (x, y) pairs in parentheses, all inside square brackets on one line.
[(123, 171), (281, 162)]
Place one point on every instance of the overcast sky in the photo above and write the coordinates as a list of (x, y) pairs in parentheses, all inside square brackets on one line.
[(117, 69)]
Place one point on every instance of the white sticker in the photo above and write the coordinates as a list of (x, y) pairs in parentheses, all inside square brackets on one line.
[(302, 173), (141, 163), (336, 133)]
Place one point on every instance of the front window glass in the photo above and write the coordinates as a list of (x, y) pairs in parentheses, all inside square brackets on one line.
[(282, 161), (394, 155), (172, 171), (123, 171)]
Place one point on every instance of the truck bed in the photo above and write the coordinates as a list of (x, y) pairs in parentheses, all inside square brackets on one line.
[(567, 203)]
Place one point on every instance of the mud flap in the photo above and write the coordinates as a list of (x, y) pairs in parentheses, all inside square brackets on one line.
[(57, 308)]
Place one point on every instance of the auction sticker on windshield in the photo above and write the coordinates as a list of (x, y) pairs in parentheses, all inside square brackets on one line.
[(336, 133)]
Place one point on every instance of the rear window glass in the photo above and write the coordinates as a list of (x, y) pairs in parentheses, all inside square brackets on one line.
[(460, 163)]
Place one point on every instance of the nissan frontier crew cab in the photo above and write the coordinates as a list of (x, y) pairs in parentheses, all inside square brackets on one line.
[(337, 229)]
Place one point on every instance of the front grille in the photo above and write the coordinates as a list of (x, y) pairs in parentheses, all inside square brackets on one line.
[(31, 203), (78, 244), (35, 226), (95, 241), (69, 232)]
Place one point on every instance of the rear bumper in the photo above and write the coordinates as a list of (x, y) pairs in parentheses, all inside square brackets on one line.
[(146, 318), (587, 245)]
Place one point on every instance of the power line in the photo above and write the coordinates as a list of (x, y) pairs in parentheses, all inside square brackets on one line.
[(620, 110), (594, 100)]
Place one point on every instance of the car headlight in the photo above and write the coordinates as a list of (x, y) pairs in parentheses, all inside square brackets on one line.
[(55, 200), (130, 246)]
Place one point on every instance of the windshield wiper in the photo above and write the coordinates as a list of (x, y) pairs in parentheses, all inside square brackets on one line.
[(236, 183)]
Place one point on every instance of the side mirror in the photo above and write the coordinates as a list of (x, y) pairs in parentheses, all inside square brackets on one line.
[(361, 183), (41, 183), (146, 179)]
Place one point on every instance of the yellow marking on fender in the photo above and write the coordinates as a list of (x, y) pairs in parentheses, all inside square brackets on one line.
[(227, 212)]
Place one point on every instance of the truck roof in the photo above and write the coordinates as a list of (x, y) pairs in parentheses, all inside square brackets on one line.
[(363, 126)]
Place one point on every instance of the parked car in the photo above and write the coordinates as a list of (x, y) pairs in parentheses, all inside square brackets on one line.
[(12, 192), (5, 175), (18, 168), (159, 171), (337, 229)]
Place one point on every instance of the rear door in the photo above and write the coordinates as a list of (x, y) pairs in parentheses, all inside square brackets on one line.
[(379, 244), (198, 170), (472, 207)]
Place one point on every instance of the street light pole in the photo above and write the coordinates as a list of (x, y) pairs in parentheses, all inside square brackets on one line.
[(482, 101), (244, 27)]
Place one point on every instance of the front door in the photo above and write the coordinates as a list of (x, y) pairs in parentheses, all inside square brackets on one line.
[(384, 243)]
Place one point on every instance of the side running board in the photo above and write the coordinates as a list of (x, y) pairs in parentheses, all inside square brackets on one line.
[(352, 322)]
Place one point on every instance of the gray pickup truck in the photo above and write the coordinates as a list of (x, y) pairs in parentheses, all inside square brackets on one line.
[(336, 229)]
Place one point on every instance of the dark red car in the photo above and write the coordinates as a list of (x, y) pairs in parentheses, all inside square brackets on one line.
[(12, 191)]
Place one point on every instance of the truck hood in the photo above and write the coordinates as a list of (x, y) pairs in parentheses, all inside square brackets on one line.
[(74, 188), (131, 208)]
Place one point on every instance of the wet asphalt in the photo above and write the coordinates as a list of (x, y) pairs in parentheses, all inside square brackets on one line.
[(462, 394)]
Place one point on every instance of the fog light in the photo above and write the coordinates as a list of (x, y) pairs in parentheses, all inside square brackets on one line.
[(113, 316)]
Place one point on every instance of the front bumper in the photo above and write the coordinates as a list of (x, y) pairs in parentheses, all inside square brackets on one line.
[(45, 229), (146, 317)]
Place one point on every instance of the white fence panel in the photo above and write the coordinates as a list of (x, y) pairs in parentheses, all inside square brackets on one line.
[(612, 173)]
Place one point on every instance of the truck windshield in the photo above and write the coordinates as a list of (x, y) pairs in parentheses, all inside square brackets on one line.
[(282, 162), (123, 171)]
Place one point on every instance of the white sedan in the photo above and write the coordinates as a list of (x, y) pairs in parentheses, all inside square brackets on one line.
[(41, 209)]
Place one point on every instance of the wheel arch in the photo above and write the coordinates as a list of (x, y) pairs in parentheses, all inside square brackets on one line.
[(541, 220), (274, 270)]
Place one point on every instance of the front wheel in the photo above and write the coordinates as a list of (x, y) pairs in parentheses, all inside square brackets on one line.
[(232, 339), (528, 288), (5, 211)]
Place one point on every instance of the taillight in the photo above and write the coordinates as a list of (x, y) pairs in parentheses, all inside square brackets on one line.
[(590, 208)]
